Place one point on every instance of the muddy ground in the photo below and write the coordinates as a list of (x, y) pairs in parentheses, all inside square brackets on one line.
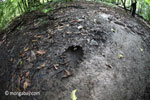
[(100, 50)]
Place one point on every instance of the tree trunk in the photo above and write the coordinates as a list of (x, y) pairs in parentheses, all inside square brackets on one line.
[(124, 4)]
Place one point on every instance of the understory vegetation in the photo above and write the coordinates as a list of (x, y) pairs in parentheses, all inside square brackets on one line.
[(10, 9)]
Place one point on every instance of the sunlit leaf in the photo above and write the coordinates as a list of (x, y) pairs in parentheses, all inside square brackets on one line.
[(73, 95), (25, 85), (141, 49), (47, 10), (41, 66), (26, 49), (112, 30), (21, 62), (148, 1), (120, 56)]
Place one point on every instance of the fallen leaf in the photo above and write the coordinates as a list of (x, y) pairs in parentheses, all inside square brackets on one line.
[(68, 25), (34, 40), (25, 85), (120, 56), (41, 66), (141, 49), (80, 20), (95, 20), (80, 27), (68, 72), (113, 30), (27, 73), (21, 62), (56, 66), (26, 49), (37, 36), (73, 95), (40, 52)]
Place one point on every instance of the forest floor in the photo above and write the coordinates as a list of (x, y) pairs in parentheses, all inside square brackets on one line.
[(60, 51)]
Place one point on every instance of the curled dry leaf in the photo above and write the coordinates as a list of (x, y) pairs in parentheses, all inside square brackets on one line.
[(41, 66), (56, 66), (26, 84), (27, 73), (68, 73), (40, 52)]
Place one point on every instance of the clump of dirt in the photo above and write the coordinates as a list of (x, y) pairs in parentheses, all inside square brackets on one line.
[(97, 49)]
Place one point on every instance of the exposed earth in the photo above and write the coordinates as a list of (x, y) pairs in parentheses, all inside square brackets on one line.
[(99, 50)]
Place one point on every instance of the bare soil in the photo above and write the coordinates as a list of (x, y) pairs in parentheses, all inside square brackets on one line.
[(100, 50)]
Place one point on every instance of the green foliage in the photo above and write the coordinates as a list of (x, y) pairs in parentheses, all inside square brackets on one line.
[(10, 9), (46, 10), (148, 1), (143, 6)]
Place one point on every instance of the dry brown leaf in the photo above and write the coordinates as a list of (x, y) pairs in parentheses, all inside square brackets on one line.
[(56, 66), (41, 66), (68, 72), (25, 85), (27, 73), (40, 52)]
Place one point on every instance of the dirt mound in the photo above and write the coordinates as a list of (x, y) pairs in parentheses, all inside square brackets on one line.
[(99, 50)]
